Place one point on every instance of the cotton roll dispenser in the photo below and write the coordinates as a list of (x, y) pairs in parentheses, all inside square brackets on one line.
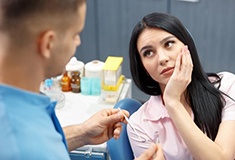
[(74, 65), (94, 69), (92, 82)]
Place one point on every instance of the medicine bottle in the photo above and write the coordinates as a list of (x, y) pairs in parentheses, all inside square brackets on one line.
[(65, 82), (75, 81)]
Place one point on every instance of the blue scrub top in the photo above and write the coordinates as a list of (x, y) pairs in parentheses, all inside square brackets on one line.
[(29, 128)]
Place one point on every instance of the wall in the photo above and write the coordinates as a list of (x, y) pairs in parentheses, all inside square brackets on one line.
[(109, 24)]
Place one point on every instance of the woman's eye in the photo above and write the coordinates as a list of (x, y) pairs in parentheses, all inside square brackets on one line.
[(148, 53), (169, 44)]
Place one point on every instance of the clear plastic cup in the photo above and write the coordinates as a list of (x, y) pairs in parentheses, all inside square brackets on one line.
[(95, 86), (86, 86)]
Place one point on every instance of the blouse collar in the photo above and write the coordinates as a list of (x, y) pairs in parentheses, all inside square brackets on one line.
[(155, 109)]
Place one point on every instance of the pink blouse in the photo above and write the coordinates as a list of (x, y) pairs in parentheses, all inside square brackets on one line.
[(154, 124)]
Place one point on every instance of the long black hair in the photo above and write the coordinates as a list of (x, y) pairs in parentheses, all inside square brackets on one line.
[(205, 99)]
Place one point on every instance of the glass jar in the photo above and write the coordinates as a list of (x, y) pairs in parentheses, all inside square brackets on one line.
[(75, 81)]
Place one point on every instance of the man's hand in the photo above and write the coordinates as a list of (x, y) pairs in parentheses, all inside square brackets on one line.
[(104, 125), (155, 152)]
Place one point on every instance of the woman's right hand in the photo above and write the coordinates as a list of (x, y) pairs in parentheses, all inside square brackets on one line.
[(155, 152), (180, 78)]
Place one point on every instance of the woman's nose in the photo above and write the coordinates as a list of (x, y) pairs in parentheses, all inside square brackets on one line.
[(163, 58)]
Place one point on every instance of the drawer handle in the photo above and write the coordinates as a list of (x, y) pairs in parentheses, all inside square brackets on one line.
[(88, 153)]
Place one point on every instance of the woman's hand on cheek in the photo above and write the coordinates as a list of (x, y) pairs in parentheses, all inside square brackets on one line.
[(180, 78)]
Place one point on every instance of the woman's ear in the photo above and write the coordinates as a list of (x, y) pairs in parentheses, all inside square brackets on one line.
[(46, 43)]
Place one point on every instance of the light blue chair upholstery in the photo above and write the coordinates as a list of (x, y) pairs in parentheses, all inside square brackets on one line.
[(120, 149)]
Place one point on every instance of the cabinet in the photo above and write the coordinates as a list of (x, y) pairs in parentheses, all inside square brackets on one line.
[(79, 108), (109, 24)]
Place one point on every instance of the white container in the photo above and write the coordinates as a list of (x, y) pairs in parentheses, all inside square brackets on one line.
[(112, 70), (75, 65), (94, 69)]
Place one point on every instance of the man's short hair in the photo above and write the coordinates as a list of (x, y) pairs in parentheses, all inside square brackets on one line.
[(20, 18), (17, 10)]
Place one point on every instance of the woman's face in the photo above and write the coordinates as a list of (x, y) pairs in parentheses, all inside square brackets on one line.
[(158, 51)]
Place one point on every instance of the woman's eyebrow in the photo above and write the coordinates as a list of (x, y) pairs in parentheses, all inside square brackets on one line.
[(145, 47), (166, 39)]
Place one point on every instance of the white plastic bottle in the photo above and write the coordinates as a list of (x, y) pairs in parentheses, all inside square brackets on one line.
[(74, 65), (94, 69)]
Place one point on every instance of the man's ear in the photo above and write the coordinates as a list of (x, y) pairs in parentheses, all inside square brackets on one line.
[(46, 43)]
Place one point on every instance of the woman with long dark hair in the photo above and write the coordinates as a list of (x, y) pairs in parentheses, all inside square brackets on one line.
[(191, 113)]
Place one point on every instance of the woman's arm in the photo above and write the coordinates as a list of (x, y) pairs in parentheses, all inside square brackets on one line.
[(198, 143)]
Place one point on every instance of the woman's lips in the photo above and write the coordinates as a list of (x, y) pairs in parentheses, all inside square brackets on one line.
[(167, 70)]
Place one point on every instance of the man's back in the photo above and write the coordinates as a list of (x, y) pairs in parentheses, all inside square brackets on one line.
[(29, 128)]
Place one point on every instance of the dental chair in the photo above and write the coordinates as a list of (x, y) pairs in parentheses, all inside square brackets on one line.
[(120, 149)]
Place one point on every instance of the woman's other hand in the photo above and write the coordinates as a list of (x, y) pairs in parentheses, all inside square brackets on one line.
[(155, 152)]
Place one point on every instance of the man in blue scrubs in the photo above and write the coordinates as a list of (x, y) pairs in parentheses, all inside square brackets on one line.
[(37, 39)]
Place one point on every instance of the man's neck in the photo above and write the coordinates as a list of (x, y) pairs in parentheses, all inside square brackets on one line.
[(26, 75)]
